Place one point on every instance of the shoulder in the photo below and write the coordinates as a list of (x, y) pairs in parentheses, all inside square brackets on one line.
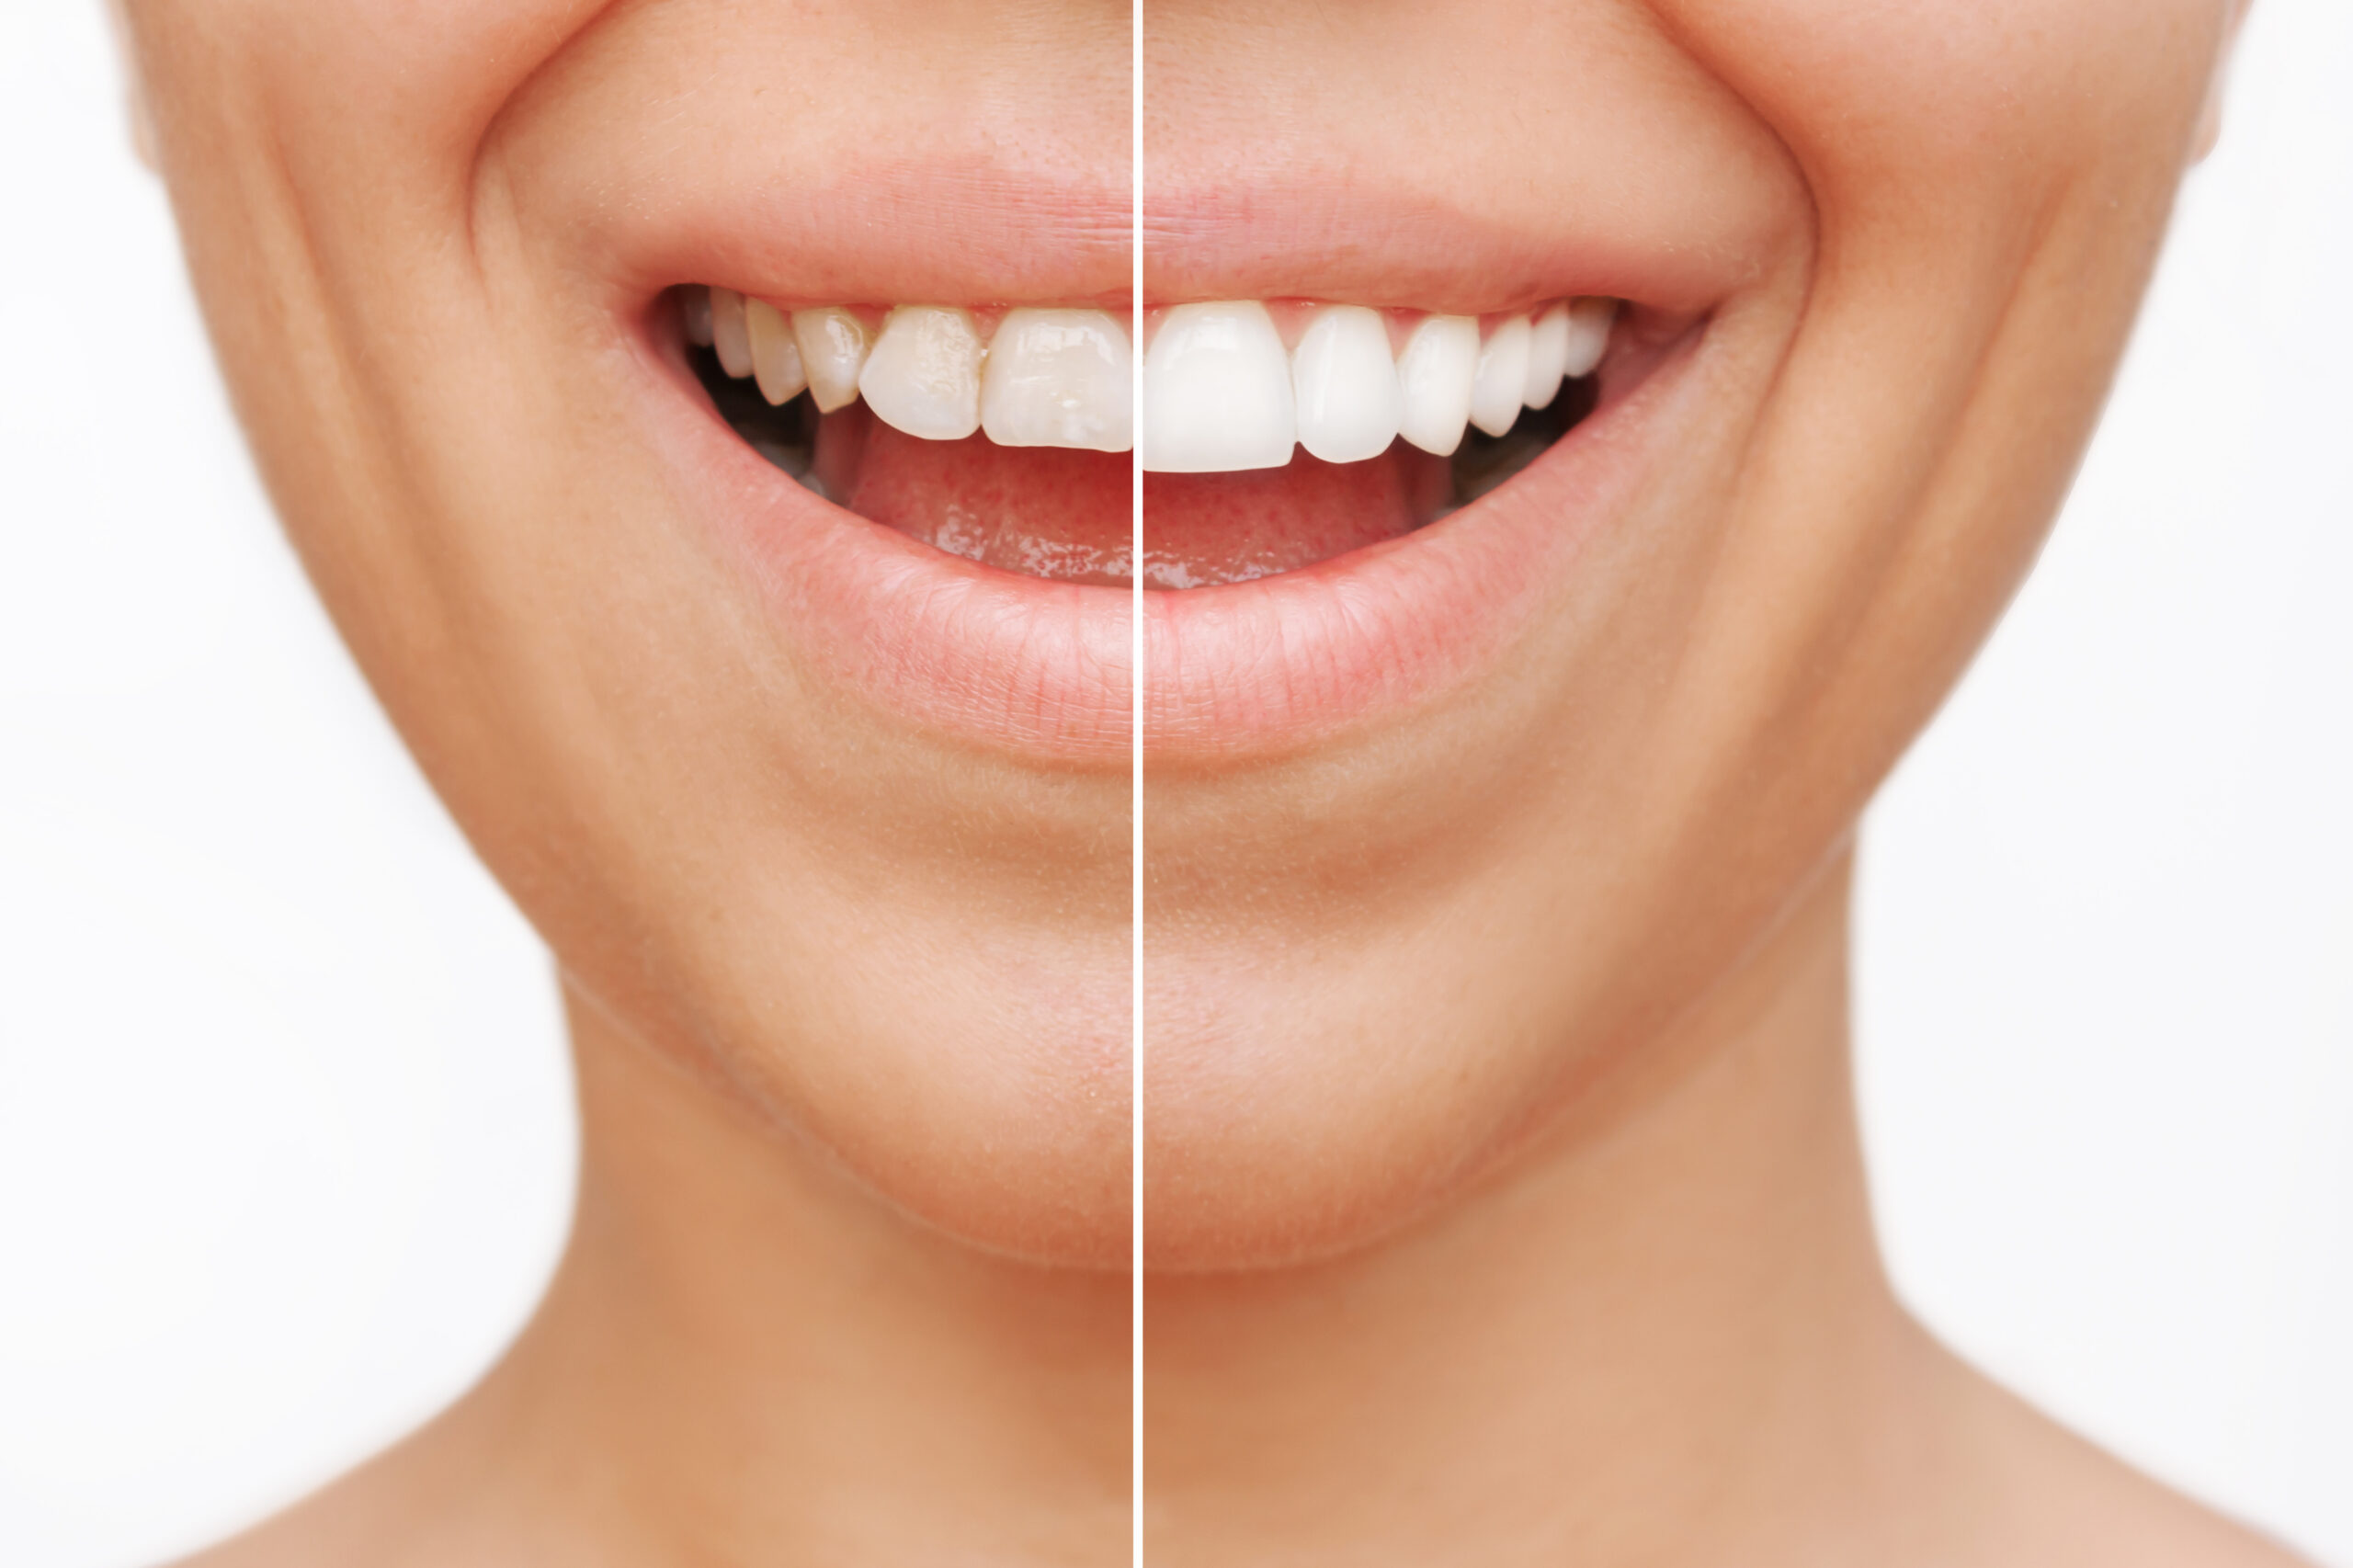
[(446, 1497), (2063, 1502)]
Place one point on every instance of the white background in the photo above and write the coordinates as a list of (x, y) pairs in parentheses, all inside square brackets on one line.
[(285, 1144)]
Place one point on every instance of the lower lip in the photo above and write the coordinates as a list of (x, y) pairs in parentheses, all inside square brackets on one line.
[(1042, 670), (1253, 670)]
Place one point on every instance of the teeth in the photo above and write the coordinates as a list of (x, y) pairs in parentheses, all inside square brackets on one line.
[(833, 351), (1501, 383), (1220, 393), (1059, 379), (729, 335), (1548, 356), (1346, 386), (1589, 321), (1217, 394), (924, 376), (776, 359), (1435, 373)]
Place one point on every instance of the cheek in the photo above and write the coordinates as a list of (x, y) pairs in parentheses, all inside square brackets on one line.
[(1902, 100)]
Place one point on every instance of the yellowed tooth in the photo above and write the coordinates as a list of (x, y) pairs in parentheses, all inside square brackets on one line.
[(729, 335), (924, 375), (776, 357), (694, 305), (834, 345)]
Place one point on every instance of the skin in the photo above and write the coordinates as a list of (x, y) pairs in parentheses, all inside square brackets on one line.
[(1501, 1175), (1544, 1236), (850, 1002)]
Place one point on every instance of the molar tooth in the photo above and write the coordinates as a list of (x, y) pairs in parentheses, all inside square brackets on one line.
[(833, 351), (776, 359), (1217, 394), (1059, 378), (924, 375), (1548, 354), (1435, 373), (694, 305), (1588, 335), (1502, 377), (729, 335), (1345, 385)]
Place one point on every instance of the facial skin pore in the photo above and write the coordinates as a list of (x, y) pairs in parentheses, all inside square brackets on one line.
[(1501, 1183), (849, 991)]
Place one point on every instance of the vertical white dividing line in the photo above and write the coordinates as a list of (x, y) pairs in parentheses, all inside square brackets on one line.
[(1135, 809)]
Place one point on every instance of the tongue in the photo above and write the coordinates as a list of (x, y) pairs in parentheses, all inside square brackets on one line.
[(1042, 511), (1050, 512), (1202, 529)]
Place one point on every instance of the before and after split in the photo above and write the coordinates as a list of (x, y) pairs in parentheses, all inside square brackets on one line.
[(1184, 691)]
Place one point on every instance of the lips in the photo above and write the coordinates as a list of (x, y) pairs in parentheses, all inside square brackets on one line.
[(973, 588)]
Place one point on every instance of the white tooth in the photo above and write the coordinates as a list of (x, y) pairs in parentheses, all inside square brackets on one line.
[(776, 359), (1059, 379), (924, 376), (729, 335), (1436, 372), (1345, 385), (694, 305), (833, 351), (1502, 377), (1217, 392), (1588, 335), (1548, 354)]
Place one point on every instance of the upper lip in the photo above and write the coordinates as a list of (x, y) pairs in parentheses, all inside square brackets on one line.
[(973, 232)]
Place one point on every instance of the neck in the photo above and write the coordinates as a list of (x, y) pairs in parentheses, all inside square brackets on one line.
[(744, 1357), (1663, 1336)]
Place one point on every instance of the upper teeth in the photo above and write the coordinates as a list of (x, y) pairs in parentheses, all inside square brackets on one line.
[(1046, 378), (1221, 391)]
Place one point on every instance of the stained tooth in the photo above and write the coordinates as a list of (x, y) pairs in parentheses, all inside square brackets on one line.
[(729, 335), (1217, 392), (1435, 373), (924, 376), (1059, 379), (694, 305), (833, 351), (1502, 377), (1345, 385), (776, 359), (1548, 354), (1588, 335)]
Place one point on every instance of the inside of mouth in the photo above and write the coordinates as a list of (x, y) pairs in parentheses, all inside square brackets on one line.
[(1064, 514)]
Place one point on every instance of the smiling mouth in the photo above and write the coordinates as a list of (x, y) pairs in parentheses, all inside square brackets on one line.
[(1277, 435)]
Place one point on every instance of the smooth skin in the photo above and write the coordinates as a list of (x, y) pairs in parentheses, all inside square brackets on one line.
[(1503, 1191), (850, 1004), (1516, 1214)]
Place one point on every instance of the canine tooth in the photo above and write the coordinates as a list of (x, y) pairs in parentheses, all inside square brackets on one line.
[(776, 359), (1217, 392), (1435, 373), (1588, 335), (833, 351), (729, 335), (924, 375), (1502, 377), (1059, 379), (1548, 354), (694, 306), (1344, 385)]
